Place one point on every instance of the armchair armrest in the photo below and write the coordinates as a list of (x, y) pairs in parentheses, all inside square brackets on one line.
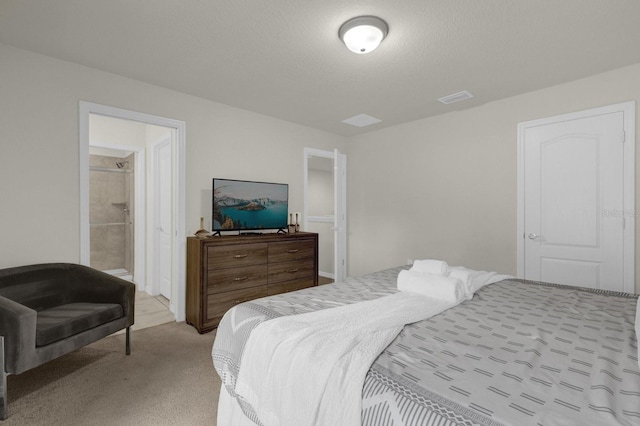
[(18, 326)]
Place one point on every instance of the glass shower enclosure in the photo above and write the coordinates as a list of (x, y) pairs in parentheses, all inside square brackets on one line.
[(111, 204)]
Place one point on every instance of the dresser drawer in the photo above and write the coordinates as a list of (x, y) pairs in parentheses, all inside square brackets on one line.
[(231, 256), (291, 250), (220, 280), (290, 286), (293, 270), (219, 303)]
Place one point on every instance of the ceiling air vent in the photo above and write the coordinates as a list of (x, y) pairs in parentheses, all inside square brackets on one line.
[(456, 97), (361, 120)]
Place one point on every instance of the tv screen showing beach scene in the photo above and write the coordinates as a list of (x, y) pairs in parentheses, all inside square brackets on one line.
[(244, 205)]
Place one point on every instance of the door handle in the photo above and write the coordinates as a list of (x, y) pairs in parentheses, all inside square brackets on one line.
[(533, 236)]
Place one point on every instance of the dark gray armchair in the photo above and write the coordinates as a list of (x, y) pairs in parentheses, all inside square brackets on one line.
[(49, 310)]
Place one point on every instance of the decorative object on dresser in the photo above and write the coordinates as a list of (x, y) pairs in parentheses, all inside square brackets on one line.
[(231, 269), (293, 227), (201, 233)]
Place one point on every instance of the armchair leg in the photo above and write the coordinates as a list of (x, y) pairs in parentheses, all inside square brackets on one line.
[(4, 412), (128, 344)]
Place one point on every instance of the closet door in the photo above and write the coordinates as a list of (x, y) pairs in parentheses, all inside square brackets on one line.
[(574, 204)]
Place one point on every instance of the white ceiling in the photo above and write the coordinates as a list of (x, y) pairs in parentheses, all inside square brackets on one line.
[(283, 58)]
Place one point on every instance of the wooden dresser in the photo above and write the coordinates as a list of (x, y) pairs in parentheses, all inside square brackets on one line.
[(224, 271)]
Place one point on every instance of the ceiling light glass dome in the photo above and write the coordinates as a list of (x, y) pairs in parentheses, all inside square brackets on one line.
[(363, 34)]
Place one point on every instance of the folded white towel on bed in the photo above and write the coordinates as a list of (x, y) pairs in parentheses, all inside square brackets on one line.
[(478, 279), (465, 277), (431, 285), (431, 266), (309, 369)]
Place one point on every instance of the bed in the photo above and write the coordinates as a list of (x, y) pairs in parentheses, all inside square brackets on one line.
[(518, 353)]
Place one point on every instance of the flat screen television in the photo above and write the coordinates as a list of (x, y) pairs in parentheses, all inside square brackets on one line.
[(240, 205)]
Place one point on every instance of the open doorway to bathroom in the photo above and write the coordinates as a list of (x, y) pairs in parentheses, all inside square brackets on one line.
[(122, 200), (118, 190)]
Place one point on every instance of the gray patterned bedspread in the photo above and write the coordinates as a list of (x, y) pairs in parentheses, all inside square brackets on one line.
[(518, 353)]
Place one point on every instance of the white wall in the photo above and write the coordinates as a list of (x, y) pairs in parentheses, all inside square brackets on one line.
[(115, 131), (39, 177), (445, 187), (320, 191)]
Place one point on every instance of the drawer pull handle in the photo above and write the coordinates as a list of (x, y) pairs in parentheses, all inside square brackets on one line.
[(293, 251), (292, 271), (241, 278), (240, 256), (237, 302)]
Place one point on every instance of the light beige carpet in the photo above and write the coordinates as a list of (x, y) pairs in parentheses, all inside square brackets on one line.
[(167, 380)]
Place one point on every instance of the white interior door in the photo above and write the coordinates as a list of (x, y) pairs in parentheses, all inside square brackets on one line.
[(164, 215), (574, 200)]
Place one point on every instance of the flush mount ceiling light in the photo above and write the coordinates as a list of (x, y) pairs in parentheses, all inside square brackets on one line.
[(363, 34)]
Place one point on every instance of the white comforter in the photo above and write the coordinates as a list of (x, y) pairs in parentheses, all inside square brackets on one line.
[(309, 369)]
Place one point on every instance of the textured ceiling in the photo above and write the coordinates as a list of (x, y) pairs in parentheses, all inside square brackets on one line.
[(283, 58)]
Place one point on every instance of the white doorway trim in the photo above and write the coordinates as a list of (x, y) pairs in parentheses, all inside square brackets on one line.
[(140, 212), (628, 110), (179, 259)]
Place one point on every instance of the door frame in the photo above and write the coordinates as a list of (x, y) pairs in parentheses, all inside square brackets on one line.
[(179, 127), (628, 138), (340, 217)]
